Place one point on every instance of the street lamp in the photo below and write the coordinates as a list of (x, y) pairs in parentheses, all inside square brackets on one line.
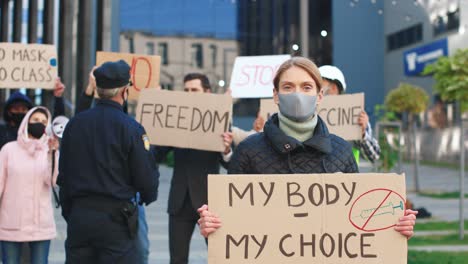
[(221, 83)]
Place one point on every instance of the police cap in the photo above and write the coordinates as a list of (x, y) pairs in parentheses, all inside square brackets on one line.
[(112, 74)]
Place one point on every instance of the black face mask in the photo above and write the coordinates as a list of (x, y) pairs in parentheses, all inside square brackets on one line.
[(36, 130), (125, 102), (17, 118)]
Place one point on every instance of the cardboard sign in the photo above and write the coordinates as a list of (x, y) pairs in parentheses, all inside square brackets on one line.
[(302, 219), (339, 112), (185, 120), (267, 108), (28, 65), (252, 76), (144, 69)]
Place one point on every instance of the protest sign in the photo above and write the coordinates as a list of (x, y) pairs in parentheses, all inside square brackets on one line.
[(267, 108), (144, 69), (315, 218), (184, 119), (252, 76), (339, 112), (28, 65)]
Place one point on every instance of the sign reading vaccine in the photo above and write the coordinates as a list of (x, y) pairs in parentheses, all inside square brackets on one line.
[(416, 59)]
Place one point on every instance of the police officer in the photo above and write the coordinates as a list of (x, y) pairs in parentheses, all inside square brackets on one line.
[(104, 161)]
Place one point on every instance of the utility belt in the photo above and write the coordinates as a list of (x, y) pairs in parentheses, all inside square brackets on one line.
[(123, 212)]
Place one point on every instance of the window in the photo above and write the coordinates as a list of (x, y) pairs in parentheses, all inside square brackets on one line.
[(197, 55), (446, 22), (162, 51), (150, 48), (404, 37), (213, 50)]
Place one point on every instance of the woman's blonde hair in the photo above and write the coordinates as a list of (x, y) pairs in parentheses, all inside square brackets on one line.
[(303, 63)]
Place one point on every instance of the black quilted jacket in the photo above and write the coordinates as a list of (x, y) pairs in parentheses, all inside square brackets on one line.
[(273, 152)]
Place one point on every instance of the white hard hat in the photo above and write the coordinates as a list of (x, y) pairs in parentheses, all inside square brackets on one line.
[(334, 74)]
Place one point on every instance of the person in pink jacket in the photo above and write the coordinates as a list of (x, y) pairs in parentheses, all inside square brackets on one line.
[(26, 214)]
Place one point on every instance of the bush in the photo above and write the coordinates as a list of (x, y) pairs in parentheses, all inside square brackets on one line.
[(451, 76), (407, 98)]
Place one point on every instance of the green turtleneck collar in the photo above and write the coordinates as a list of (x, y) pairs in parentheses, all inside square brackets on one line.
[(301, 131)]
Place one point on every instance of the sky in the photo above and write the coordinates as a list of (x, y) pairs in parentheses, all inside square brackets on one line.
[(216, 18)]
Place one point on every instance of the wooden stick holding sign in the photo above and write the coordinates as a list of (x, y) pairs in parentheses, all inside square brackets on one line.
[(144, 69), (185, 120), (339, 112), (28, 65), (302, 219)]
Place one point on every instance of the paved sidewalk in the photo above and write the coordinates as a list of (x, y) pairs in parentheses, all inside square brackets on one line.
[(451, 248), (157, 219)]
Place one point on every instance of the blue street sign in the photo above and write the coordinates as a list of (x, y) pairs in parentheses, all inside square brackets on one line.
[(416, 59)]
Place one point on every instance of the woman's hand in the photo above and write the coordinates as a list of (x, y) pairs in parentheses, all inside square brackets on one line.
[(53, 143), (406, 223), (208, 222)]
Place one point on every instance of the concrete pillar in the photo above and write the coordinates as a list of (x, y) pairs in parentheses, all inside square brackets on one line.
[(17, 20)]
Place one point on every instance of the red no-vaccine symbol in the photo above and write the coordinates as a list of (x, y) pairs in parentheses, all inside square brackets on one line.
[(376, 210)]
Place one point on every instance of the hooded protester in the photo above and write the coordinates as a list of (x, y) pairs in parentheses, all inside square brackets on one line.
[(15, 109), (26, 180)]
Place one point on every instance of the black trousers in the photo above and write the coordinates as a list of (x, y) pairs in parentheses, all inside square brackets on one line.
[(96, 237), (181, 226)]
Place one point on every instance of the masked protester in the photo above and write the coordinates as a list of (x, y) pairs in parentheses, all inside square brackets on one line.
[(26, 179), (295, 140), (15, 110)]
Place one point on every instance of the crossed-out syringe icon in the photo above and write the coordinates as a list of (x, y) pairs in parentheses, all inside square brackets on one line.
[(389, 208)]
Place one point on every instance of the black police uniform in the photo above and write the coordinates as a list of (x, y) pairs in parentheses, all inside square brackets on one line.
[(104, 161)]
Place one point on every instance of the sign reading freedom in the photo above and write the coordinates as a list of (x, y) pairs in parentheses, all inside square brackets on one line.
[(28, 65), (302, 219), (339, 112), (183, 119)]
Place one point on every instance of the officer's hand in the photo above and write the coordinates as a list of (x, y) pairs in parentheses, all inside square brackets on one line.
[(53, 143), (91, 83), (363, 120), (227, 139), (208, 222), (406, 223), (59, 88)]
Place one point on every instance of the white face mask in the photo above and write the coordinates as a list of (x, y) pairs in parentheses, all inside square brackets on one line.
[(298, 107)]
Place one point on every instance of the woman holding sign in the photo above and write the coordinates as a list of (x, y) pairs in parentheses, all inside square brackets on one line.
[(295, 140), (26, 179)]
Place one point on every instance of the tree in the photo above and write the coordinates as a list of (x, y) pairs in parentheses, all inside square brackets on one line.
[(451, 76), (407, 98), (413, 100)]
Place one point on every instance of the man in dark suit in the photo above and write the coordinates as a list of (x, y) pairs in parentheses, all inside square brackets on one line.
[(189, 181)]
